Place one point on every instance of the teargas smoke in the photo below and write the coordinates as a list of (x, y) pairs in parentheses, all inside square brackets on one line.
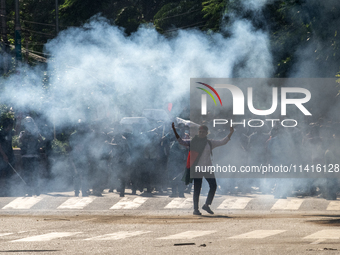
[(97, 73)]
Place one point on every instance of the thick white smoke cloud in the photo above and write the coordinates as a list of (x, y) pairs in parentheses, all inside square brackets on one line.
[(98, 65), (254, 5)]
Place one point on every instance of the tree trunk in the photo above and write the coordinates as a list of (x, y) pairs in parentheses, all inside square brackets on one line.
[(5, 44)]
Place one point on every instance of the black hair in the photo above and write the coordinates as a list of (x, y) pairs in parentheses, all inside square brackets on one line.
[(204, 127)]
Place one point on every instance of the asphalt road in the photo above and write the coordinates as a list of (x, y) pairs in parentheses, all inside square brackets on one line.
[(57, 223)]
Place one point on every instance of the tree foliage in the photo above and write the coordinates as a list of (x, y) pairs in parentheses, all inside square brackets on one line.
[(213, 11), (293, 25), (296, 25), (180, 14)]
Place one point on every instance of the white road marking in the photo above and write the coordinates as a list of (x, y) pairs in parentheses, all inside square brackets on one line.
[(117, 236), (23, 203), (76, 203), (258, 234), (323, 235), (188, 235), (334, 206), (46, 237), (318, 241), (182, 203), (127, 203), (5, 234), (285, 204), (234, 203), (175, 203), (187, 204)]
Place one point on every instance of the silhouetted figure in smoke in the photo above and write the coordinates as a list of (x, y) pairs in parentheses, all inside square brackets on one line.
[(147, 171), (257, 156), (46, 130), (153, 155), (30, 141), (248, 133), (280, 151), (312, 152), (189, 186), (140, 174), (121, 161), (163, 150), (6, 156), (99, 150), (136, 151), (79, 156), (176, 164), (200, 154), (332, 154)]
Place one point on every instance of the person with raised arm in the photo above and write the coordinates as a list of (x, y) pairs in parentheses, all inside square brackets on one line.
[(200, 155)]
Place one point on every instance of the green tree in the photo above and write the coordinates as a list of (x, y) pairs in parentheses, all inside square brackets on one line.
[(299, 24), (180, 14), (213, 11)]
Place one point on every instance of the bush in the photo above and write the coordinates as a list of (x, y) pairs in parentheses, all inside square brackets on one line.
[(59, 148)]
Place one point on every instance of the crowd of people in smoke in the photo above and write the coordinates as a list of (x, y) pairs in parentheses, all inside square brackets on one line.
[(102, 157)]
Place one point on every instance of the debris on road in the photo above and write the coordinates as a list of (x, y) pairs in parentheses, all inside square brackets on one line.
[(323, 249), (180, 244)]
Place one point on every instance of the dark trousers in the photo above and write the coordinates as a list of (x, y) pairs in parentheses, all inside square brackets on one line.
[(177, 186), (80, 178), (99, 175), (124, 177), (197, 190), (5, 176), (31, 175)]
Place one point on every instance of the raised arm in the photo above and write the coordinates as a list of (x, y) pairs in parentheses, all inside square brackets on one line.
[(231, 132), (179, 139), (174, 129)]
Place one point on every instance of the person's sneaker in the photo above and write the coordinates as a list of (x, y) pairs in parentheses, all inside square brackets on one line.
[(207, 208), (197, 212)]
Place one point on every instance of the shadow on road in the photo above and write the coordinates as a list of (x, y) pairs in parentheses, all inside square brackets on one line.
[(330, 220), (30, 250)]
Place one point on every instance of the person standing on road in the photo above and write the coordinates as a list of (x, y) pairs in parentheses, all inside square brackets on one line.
[(99, 154), (79, 158), (30, 142), (200, 154), (331, 185), (176, 163), (6, 156), (120, 163)]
